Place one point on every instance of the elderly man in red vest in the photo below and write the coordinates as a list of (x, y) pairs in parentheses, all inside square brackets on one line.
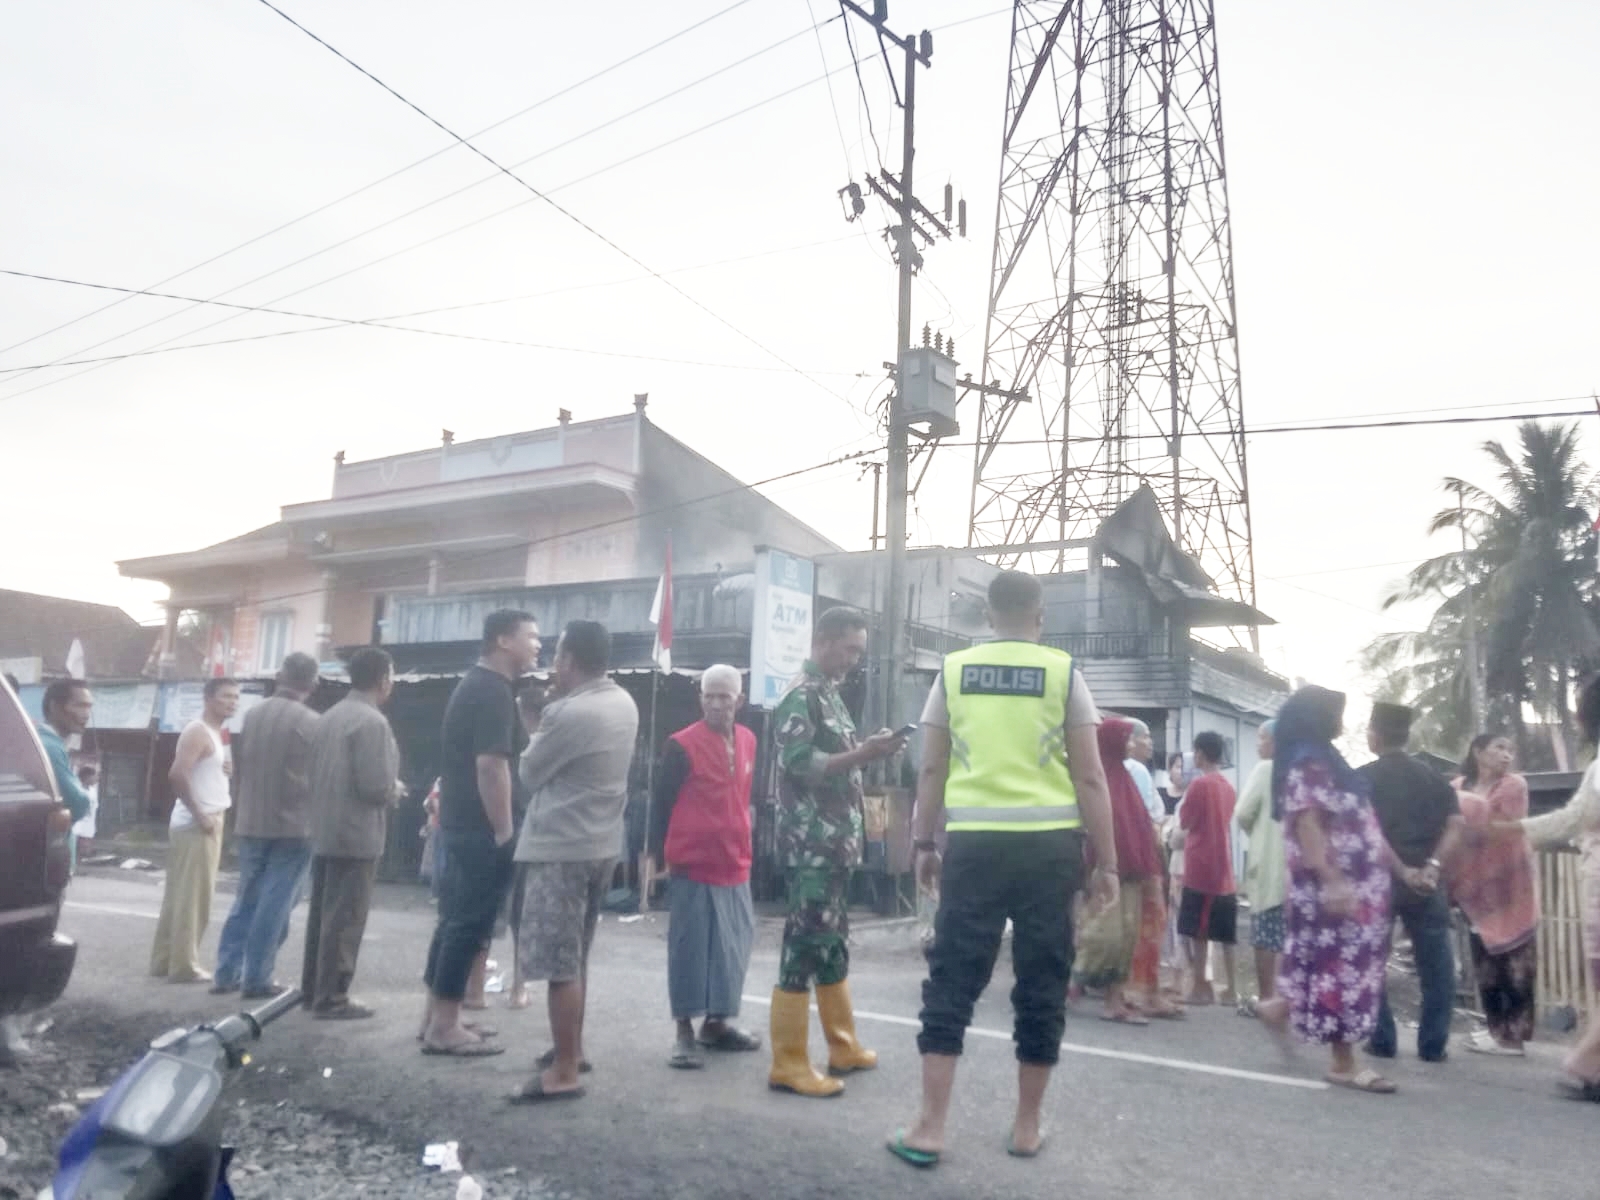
[(700, 829)]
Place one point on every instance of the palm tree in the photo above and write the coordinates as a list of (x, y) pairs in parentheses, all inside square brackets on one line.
[(1524, 587), (1423, 670)]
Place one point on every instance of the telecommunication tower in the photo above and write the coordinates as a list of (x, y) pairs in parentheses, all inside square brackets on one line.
[(1111, 329)]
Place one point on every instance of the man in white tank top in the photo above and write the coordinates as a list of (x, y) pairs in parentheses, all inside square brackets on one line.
[(199, 777)]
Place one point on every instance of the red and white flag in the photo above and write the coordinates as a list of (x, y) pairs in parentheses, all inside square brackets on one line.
[(661, 616)]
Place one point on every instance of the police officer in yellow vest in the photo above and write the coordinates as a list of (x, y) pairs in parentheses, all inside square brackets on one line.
[(1010, 762)]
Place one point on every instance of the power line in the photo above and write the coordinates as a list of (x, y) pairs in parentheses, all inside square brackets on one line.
[(1342, 570), (822, 53), (861, 86), (357, 236), (406, 249), (1332, 427), (393, 174), (100, 364), (331, 322), (568, 213)]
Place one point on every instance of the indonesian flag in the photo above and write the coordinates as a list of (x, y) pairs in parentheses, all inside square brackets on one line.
[(661, 616)]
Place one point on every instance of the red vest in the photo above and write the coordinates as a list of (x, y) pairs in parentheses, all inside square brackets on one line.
[(708, 838)]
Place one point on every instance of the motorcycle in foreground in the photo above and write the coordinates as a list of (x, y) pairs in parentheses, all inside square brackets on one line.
[(157, 1133)]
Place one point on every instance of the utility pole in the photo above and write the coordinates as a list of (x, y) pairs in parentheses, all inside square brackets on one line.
[(917, 50)]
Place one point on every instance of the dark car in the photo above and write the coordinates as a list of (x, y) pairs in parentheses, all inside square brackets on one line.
[(35, 864)]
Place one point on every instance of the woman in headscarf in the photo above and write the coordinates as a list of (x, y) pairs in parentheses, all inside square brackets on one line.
[(1138, 862), (1492, 879), (1579, 821), (1336, 926)]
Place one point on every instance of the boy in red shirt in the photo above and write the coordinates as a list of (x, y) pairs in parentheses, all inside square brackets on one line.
[(1209, 910)]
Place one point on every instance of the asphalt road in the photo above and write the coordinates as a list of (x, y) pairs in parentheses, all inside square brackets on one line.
[(1207, 1107)]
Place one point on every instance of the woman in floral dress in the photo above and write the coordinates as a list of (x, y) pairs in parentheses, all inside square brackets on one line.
[(1336, 915)]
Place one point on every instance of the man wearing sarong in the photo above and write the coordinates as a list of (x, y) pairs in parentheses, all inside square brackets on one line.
[(700, 831)]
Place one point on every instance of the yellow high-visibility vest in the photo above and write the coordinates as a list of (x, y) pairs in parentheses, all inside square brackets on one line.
[(1008, 757)]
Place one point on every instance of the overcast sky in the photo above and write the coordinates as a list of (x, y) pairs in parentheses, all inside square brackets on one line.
[(1412, 185)]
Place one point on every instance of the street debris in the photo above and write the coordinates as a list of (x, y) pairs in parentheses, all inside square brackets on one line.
[(469, 1189), (630, 920), (327, 1072), (137, 864), (445, 1156), (90, 1095)]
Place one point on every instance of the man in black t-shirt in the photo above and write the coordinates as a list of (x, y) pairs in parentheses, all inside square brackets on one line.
[(483, 738), (1421, 821)]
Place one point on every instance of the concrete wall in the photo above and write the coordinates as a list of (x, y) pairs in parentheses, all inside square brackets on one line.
[(713, 522)]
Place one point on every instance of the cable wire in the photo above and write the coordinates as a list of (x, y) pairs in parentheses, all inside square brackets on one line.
[(437, 200), (331, 322), (428, 241), (600, 74), (565, 212), (98, 364), (861, 86)]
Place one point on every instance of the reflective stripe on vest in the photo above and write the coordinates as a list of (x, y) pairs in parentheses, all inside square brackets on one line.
[(1013, 816), (1008, 767)]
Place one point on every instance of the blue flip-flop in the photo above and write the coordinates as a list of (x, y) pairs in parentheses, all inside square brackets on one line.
[(910, 1154)]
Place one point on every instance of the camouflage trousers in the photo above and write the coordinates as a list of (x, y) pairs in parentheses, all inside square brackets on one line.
[(815, 933)]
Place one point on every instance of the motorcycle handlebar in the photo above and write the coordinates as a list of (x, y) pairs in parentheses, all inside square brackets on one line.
[(247, 1026), (275, 1008)]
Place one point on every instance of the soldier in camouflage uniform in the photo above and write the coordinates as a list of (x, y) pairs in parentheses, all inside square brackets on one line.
[(820, 835)]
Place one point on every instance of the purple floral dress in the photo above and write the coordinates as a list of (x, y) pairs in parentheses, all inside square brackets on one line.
[(1333, 967)]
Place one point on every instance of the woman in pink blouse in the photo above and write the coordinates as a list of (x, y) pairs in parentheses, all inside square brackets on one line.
[(1493, 881)]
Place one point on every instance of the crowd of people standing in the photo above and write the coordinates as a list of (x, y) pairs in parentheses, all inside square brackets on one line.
[(1036, 813)]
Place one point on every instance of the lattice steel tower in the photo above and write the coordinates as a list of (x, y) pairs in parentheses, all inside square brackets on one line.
[(1111, 300)]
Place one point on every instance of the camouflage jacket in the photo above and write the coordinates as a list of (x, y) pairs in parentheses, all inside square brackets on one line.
[(819, 817)]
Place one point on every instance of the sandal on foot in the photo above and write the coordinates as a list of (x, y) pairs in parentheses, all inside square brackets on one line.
[(463, 1050), (1577, 1089), (1125, 1018), (1011, 1147), (1364, 1080), (349, 1011), (731, 1038), (533, 1092), (685, 1056), (548, 1059), (1248, 1008), (910, 1154), (483, 1031)]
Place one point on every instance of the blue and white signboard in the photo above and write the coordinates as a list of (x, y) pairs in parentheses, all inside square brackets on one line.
[(780, 638)]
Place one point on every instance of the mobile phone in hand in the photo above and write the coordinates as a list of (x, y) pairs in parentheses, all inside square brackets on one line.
[(906, 731)]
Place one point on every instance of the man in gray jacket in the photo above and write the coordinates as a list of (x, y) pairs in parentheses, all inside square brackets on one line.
[(273, 764), (576, 772), (355, 767)]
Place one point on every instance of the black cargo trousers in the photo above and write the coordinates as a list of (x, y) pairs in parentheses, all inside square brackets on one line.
[(988, 878)]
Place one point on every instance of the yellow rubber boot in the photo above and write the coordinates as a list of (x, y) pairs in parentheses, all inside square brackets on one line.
[(845, 1053), (791, 1063)]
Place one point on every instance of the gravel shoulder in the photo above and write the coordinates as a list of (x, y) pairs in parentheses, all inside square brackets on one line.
[(285, 1149)]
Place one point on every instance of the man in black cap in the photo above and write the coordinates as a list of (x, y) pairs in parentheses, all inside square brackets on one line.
[(1421, 821)]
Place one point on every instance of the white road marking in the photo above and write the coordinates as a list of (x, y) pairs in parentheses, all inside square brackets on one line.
[(116, 910), (1151, 1060)]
